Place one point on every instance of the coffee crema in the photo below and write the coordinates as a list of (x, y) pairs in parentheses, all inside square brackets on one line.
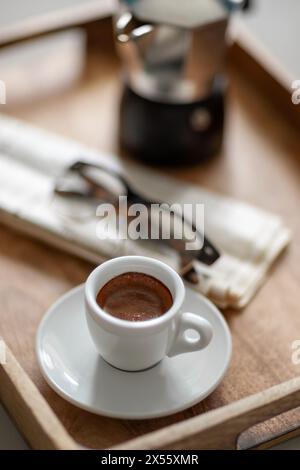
[(134, 296)]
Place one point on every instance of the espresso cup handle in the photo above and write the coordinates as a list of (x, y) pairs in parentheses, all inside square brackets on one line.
[(182, 343)]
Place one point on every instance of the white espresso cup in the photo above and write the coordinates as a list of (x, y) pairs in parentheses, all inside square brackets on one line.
[(138, 345)]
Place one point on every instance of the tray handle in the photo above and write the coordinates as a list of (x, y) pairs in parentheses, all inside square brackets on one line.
[(221, 428)]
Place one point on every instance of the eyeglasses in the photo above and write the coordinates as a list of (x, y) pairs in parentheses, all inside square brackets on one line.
[(94, 184)]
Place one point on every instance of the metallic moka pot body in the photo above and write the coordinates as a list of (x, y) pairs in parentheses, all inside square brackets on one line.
[(172, 108)]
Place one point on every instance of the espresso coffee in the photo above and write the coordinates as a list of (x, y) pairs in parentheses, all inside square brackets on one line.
[(135, 296)]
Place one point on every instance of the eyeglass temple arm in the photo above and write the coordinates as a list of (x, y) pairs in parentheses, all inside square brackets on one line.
[(79, 165), (208, 254)]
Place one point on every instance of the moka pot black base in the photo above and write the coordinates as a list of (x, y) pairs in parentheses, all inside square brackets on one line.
[(161, 133)]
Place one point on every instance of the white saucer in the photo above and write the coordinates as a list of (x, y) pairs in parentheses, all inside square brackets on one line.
[(73, 368)]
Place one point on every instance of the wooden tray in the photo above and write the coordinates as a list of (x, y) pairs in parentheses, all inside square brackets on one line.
[(260, 165), (224, 428)]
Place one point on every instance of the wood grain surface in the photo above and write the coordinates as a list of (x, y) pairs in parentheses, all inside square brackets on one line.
[(260, 164), (31, 412)]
